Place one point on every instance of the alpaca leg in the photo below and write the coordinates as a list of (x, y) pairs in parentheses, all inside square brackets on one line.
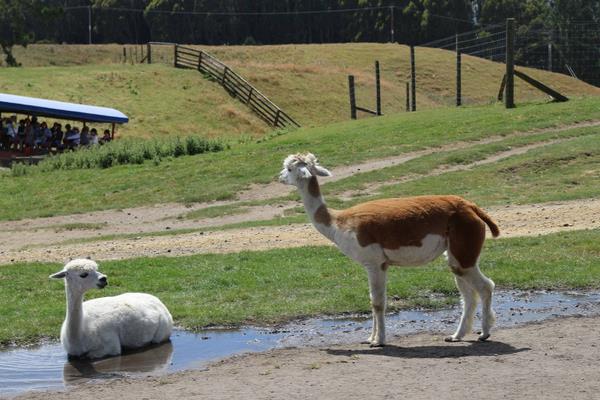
[(484, 287), (377, 290), (469, 303)]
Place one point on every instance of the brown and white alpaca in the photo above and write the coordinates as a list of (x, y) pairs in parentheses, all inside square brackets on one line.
[(402, 231)]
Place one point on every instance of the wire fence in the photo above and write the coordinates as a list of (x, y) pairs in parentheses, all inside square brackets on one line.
[(487, 42), (572, 50)]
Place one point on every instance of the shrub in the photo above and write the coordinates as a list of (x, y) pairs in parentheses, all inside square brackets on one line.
[(127, 151)]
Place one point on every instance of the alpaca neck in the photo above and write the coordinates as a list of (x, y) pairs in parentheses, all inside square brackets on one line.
[(316, 208), (74, 318)]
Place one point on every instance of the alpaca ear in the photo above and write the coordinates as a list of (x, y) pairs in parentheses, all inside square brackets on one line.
[(303, 172), (59, 275), (320, 171)]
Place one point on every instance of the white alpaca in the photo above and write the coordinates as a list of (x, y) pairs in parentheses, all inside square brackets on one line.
[(403, 231), (105, 326)]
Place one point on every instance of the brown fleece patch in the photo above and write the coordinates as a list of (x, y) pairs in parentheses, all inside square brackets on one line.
[(322, 216), (395, 223), (313, 187), (466, 236)]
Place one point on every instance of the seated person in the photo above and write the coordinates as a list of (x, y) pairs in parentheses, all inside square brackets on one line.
[(57, 136), (44, 135), (12, 130), (93, 137), (72, 138), (84, 138), (106, 137)]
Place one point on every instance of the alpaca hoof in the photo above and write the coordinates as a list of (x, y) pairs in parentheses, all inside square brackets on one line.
[(483, 338), (377, 345), (365, 342), (451, 339)]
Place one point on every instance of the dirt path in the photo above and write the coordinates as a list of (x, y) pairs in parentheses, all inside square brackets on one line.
[(164, 217), (525, 220), (554, 360), (45, 237)]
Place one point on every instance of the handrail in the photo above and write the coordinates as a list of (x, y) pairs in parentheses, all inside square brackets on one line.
[(237, 86)]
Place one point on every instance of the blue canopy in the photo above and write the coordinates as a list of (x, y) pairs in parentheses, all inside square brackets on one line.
[(60, 109)]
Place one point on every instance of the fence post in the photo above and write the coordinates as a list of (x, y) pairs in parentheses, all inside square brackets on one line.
[(124, 54), (352, 97), (199, 60), (377, 88), (393, 39), (149, 53), (509, 98), (277, 118), (175, 55), (413, 79), (224, 76), (250, 94), (407, 97), (458, 79)]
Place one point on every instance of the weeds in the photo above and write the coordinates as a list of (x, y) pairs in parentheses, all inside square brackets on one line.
[(128, 151)]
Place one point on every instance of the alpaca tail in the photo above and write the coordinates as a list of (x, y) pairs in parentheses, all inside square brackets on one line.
[(487, 219)]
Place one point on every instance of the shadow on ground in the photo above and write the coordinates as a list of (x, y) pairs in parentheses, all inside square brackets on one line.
[(463, 349)]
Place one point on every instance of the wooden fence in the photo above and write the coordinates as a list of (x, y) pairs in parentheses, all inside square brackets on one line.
[(186, 57)]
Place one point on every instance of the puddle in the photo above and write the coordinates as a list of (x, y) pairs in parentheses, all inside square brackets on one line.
[(47, 367)]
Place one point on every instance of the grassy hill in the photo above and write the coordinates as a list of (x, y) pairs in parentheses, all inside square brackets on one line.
[(159, 100), (307, 81), (221, 175)]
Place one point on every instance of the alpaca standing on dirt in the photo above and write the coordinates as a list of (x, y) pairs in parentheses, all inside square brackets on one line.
[(104, 326), (403, 231)]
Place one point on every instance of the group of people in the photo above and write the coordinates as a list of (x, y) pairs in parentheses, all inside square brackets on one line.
[(29, 134)]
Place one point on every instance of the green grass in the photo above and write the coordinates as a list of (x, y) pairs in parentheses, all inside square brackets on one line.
[(220, 175), (158, 99), (278, 285), (308, 81)]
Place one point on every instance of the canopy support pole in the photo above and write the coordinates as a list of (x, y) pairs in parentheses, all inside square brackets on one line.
[(112, 135)]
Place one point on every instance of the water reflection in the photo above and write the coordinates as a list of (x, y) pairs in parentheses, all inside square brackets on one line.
[(150, 360)]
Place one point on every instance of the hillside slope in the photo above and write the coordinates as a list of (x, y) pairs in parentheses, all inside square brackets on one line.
[(308, 81), (159, 100)]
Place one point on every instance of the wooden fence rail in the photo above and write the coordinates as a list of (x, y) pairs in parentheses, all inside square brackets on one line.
[(186, 57)]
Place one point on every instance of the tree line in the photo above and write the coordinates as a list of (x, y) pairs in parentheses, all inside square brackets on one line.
[(217, 22)]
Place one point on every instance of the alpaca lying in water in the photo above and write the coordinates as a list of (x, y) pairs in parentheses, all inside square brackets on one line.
[(107, 325)]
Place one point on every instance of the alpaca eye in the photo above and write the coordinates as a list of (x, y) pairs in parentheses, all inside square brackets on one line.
[(84, 275), (289, 170)]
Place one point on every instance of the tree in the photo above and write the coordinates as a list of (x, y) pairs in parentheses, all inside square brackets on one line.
[(13, 27)]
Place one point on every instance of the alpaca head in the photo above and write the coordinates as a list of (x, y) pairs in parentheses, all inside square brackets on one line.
[(298, 168), (81, 275)]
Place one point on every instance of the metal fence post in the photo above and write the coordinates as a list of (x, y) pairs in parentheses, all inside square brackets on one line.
[(352, 97), (509, 97), (377, 88), (458, 79), (175, 55), (148, 53), (407, 97), (413, 79)]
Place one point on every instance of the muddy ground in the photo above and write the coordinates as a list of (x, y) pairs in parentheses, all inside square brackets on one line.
[(554, 360)]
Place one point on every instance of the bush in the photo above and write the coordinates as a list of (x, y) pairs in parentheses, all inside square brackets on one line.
[(127, 151)]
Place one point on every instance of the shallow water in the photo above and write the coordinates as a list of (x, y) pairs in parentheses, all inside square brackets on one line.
[(47, 367)]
